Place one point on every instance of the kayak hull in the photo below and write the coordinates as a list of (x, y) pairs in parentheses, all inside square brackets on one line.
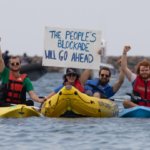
[(69, 102), (18, 111), (137, 112)]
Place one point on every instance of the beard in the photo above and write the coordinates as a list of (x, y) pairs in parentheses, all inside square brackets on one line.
[(15, 70), (103, 82), (145, 76)]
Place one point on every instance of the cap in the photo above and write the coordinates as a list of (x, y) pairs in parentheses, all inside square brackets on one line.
[(71, 70)]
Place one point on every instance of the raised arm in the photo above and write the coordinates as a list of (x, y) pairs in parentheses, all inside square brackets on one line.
[(118, 84), (84, 77), (86, 74), (124, 67), (2, 65)]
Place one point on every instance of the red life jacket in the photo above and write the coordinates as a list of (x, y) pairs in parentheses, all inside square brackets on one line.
[(15, 88), (144, 89), (78, 86)]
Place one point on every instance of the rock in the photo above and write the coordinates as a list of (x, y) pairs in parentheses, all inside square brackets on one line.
[(132, 61)]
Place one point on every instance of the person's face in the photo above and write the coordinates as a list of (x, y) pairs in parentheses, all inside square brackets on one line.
[(71, 78), (144, 72), (15, 64), (104, 77)]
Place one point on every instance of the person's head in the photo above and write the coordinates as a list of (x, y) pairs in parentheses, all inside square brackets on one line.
[(24, 55), (104, 75), (143, 69), (14, 64), (6, 51), (71, 76)]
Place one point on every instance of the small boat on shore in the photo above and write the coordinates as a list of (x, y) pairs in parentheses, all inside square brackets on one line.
[(136, 112), (33, 70), (18, 111), (70, 103)]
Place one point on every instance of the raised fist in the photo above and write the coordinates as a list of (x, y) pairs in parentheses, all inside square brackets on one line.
[(119, 62), (100, 52), (126, 48)]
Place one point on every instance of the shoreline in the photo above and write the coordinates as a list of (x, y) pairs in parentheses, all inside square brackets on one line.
[(132, 62)]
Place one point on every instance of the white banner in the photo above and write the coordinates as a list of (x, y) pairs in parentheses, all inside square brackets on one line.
[(71, 48)]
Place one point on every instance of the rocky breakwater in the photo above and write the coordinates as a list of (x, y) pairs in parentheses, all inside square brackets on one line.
[(132, 61)]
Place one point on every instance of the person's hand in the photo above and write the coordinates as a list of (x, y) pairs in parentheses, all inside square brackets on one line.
[(43, 100), (119, 62), (126, 48), (100, 52), (103, 96)]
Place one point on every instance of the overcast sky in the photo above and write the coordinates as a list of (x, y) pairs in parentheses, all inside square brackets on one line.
[(123, 22)]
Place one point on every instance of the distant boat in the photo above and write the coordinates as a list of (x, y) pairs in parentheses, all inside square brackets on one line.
[(33, 70)]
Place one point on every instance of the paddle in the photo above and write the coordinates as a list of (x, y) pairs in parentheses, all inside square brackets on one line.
[(137, 98), (41, 96), (117, 100), (38, 97), (121, 100)]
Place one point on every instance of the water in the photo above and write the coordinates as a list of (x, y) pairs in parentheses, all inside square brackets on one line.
[(75, 134)]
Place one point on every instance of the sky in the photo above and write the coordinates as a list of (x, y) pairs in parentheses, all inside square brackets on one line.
[(122, 22)]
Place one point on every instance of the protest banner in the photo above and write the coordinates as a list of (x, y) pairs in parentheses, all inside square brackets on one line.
[(71, 48)]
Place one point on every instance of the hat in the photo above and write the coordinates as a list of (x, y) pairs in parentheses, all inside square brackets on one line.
[(71, 70)]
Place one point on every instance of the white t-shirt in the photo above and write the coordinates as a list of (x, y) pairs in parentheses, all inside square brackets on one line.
[(133, 77)]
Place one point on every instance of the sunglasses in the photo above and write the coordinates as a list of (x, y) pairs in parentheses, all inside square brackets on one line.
[(102, 75), (73, 75), (17, 64)]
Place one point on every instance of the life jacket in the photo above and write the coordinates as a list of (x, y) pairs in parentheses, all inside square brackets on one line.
[(143, 88), (94, 85), (78, 86), (15, 91)]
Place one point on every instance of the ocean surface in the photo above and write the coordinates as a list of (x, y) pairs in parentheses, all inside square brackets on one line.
[(74, 134)]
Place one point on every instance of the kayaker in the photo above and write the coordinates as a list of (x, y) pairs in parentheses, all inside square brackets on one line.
[(72, 78), (14, 85), (6, 58), (140, 81), (100, 87)]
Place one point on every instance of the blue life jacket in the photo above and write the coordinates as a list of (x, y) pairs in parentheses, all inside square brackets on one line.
[(94, 85)]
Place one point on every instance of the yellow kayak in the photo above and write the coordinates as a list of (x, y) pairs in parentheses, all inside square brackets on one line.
[(69, 102), (18, 111)]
